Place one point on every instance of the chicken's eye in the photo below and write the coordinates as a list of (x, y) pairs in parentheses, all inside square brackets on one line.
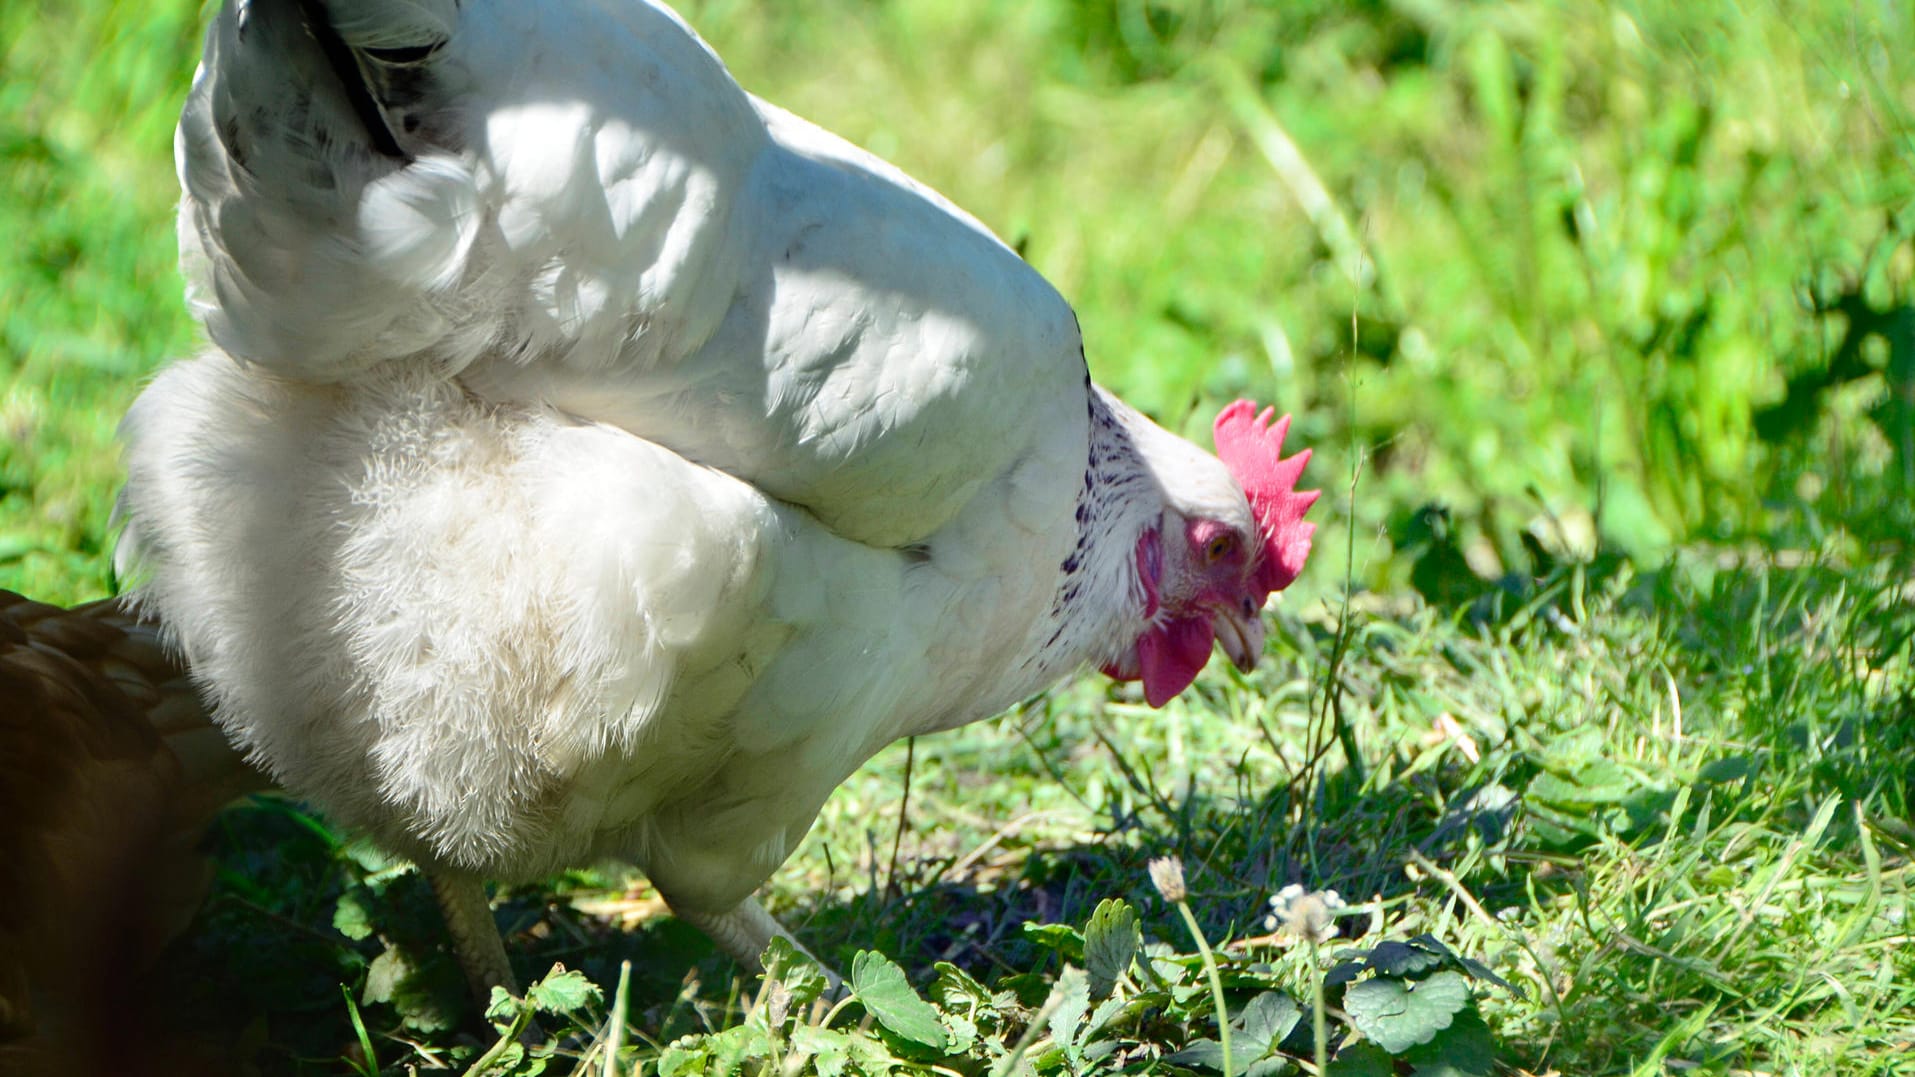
[(1219, 547)]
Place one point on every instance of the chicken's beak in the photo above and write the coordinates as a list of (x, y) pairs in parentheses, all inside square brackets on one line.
[(1241, 636)]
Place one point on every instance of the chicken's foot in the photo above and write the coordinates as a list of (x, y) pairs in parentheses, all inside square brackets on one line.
[(475, 935), (744, 931)]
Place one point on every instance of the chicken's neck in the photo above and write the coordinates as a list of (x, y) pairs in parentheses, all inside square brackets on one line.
[(1099, 608)]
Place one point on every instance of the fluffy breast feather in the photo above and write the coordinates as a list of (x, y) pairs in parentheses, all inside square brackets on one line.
[(505, 639), (430, 613)]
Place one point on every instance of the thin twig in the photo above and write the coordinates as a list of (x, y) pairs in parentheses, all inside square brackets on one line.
[(904, 815), (1149, 791), (964, 863), (1455, 885)]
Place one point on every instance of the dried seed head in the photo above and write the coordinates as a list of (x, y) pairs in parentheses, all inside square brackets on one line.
[(1304, 915), (1167, 875)]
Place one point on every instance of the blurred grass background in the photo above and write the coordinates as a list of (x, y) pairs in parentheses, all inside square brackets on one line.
[(1554, 275), (1545, 282)]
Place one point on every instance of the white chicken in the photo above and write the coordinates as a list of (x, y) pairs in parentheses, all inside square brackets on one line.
[(599, 462)]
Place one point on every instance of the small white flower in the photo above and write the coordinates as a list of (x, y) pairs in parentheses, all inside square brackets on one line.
[(1304, 915)]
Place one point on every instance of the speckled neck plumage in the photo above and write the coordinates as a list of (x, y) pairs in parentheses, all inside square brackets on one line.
[(1099, 604)]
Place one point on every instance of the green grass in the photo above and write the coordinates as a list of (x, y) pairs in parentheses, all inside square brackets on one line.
[(1679, 828), (1601, 327)]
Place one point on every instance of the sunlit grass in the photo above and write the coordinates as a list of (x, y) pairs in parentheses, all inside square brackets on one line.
[(1614, 270), (1673, 823), (1605, 306)]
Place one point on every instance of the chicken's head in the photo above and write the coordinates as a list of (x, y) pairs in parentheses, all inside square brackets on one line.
[(1219, 554)]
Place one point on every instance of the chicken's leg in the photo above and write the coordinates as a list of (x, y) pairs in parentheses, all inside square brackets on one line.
[(475, 936), (744, 931)]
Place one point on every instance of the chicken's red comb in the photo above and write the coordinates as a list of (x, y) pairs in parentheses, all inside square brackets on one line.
[(1252, 449)]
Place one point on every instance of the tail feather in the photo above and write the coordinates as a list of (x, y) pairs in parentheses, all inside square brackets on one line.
[(348, 67), (433, 182), (307, 233), (390, 27)]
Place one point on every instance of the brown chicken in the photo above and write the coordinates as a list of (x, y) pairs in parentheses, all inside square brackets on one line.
[(109, 775)]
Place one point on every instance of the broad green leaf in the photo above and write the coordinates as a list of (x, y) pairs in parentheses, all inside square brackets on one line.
[(1268, 1066), (733, 1048), (834, 1053), (1062, 938), (880, 985), (1111, 940), (1268, 1019), (799, 973), (1208, 1053), (384, 975), (830, 1050), (1432, 944), (1070, 1001), (351, 917), (502, 1009), (1465, 1049), (960, 1031), (1426, 952), (1182, 974), (868, 1055), (1483, 972), (1028, 989), (957, 989), (374, 860), (1399, 1014), (1400, 959), (563, 992), (425, 1001), (1106, 1012), (1599, 781), (1362, 1060), (1563, 829), (1205, 1053), (512, 1061), (1345, 971)]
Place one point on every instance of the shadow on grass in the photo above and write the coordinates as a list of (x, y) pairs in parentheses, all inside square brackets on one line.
[(262, 970), (1774, 668)]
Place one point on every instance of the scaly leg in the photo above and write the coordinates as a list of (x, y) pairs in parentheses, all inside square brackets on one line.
[(475, 935), (744, 931)]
